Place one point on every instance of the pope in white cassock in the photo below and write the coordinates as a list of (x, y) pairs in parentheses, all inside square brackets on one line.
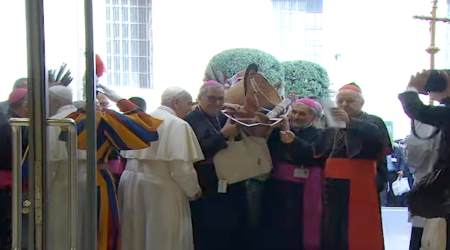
[(159, 181), (60, 99)]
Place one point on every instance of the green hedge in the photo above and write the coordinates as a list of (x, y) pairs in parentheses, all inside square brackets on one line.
[(305, 79), (229, 62)]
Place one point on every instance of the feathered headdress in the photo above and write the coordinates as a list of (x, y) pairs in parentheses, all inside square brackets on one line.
[(62, 76)]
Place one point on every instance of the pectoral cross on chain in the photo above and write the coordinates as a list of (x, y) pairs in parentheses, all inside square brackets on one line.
[(432, 50)]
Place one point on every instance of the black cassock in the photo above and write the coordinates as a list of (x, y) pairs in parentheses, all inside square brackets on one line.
[(352, 218), (219, 219), (382, 172)]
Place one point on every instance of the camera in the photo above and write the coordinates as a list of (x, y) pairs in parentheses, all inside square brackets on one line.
[(436, 82)]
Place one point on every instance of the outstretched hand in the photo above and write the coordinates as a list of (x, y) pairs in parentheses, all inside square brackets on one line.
[(284, 125), (229, 130), (111, 94), (287, 136)]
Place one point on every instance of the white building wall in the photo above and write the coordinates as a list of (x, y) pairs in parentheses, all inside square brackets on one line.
[(13, 47)]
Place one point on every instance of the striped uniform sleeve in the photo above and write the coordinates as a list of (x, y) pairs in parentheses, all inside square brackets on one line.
[(103, 144), (126, 132), (135, 131)]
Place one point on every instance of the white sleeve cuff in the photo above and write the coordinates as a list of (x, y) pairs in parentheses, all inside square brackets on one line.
[(412, 89)]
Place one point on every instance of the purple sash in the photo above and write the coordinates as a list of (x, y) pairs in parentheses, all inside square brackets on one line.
[(312, 200), (5, 179), (116, 166)]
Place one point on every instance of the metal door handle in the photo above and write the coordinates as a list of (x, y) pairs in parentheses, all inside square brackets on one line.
[(16, 125), (16, 220)]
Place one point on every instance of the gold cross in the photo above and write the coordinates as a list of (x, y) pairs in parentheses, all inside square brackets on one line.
[(432, 50)]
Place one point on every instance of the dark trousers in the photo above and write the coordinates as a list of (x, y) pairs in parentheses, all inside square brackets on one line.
[(220, 221), (282, 217), (416, 238), (255, 198), (5, 219), (335, 223)]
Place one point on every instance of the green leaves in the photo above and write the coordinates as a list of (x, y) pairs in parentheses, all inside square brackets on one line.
[(305, 79), (229, 62)]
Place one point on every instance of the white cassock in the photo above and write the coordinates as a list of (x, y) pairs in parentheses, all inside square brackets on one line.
[(155, 188), (58, 185), (58, 188)]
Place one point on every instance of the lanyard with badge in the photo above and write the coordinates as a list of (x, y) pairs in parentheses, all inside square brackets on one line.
[(222, 184), (301, 172)]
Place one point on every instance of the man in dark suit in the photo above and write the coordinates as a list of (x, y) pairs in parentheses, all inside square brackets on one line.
[(397, 168), (219, 217)]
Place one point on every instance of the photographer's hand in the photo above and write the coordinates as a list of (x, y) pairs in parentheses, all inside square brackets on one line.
[(447, 77), (419, 80), (340, 115)]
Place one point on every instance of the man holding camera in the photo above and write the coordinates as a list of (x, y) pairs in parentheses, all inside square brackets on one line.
[(434, 83), (430, 197)]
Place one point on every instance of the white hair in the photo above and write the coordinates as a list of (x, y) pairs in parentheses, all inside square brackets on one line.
[(61, 93), (172, 94), (353, 93), (79, 104), (205, 87)]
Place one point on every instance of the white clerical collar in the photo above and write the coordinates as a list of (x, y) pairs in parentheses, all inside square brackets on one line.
[(168, 109), (64, 111), (66, 108)]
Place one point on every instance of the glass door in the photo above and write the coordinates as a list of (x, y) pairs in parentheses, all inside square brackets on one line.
[(54, 182)]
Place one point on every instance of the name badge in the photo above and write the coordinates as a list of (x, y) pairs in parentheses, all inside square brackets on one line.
[(222, 186), (301, 172)]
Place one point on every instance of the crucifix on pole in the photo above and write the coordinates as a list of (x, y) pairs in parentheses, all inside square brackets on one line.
[(432, 50)]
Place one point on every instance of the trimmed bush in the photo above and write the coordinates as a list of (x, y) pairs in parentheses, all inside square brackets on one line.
[(229, 62), (305, 79)]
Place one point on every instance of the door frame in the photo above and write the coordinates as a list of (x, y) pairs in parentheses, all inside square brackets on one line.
[(38, 89)]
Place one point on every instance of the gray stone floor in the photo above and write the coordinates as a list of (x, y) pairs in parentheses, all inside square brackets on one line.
[(396, 228)]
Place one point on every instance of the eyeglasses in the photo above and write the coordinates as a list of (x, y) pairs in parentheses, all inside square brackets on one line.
[(212, 98)]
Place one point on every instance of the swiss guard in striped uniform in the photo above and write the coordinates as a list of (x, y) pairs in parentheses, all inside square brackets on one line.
[(132, 130)]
